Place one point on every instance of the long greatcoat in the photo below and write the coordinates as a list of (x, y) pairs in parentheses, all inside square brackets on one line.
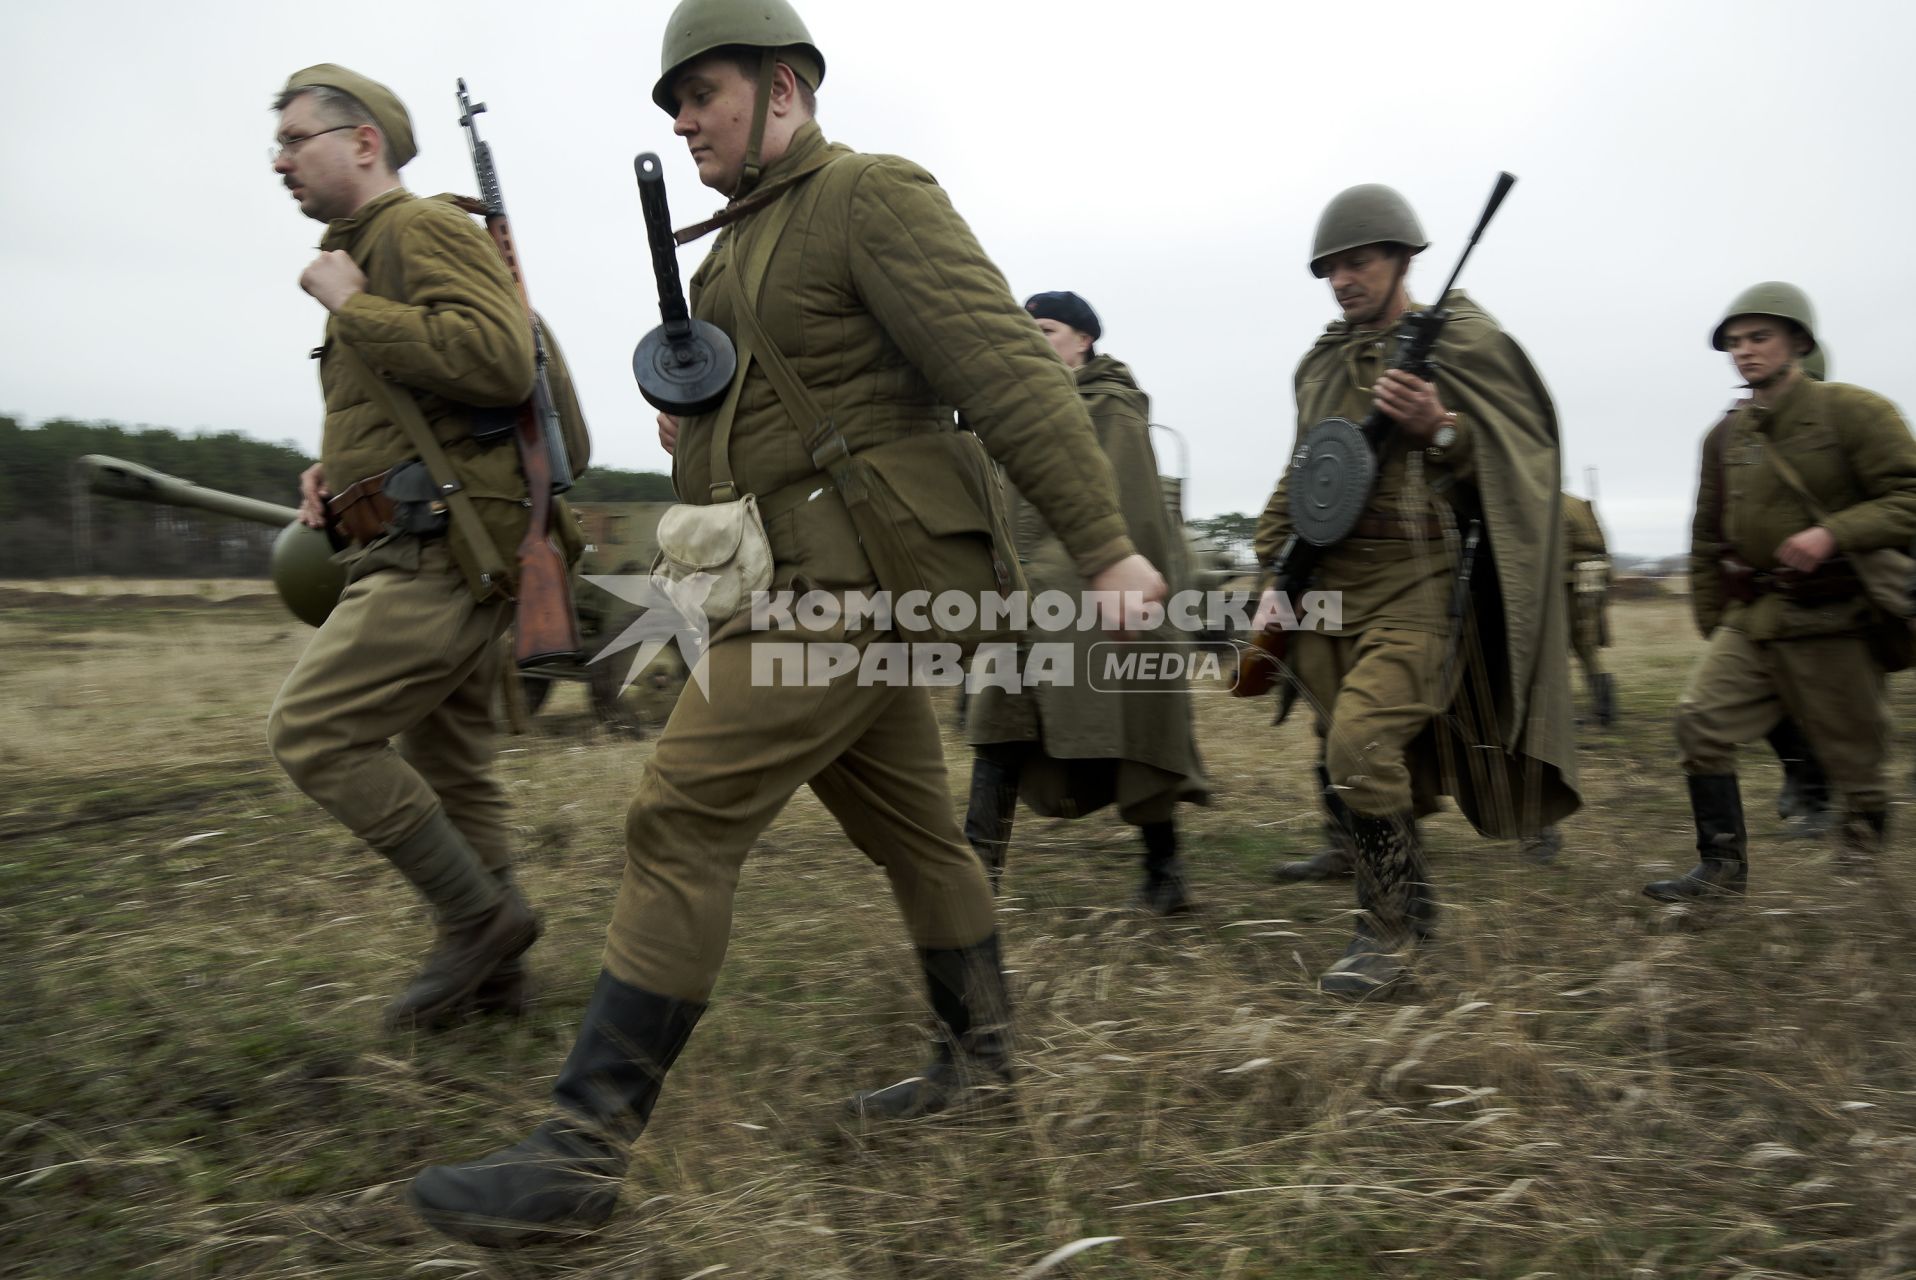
[(1133, 748), (1505, 748)]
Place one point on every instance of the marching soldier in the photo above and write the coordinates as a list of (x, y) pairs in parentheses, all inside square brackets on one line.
[(1586, 575), (1813, 476), (1805, 794), (1070, 748), (1398, 718), (870, 292), (386, 719)]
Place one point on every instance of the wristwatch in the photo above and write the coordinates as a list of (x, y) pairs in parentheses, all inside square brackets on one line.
[(1446, 435)]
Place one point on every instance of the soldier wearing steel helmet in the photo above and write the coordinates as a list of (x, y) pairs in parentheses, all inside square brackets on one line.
[(1813, 475), (1803, 800), (386, 718), (1409, 703), (887, 313)]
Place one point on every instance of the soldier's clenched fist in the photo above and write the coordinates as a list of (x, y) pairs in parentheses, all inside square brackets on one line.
[(333, 277)]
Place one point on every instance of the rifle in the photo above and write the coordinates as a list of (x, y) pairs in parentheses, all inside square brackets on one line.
[(1298, 558), (546, 630)]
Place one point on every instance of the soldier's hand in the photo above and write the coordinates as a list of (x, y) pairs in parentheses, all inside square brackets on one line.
[(1805, 552), (312, 497), (1137, 583), (668, 432), (1411, 402), (333, 277)]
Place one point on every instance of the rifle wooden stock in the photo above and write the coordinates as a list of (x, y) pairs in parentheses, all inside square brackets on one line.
[(545, 630), (1259, 664)]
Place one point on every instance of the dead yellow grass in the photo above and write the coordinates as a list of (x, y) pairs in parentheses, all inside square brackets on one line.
[(1584, 1085)]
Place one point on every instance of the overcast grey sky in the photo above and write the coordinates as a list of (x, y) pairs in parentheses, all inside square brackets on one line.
[(1166, 160)]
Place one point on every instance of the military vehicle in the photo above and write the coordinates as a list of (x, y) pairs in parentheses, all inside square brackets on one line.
[(304, 574), (621, 538)]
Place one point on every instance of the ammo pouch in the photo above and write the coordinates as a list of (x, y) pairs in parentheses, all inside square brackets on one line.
[(417, 508), (928, 509), (1885, 575)]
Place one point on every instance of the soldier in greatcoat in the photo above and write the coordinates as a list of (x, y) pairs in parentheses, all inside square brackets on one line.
[(1409, 700), (1072, 743)]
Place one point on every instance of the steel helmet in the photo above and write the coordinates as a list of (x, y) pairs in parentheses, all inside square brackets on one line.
[(1771, 298), (308, 579), (697, 27), (1367, 214)]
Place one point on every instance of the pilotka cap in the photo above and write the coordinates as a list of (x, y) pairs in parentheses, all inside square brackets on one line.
[(387, 111)]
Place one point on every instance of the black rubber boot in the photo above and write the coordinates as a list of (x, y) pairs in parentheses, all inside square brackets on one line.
[(1862, 842), (993, 807), (1164, 891), (1337, 859), (1605, 692), (1543, 847), (971, 1060), (1721, 841), (1805, 794), (1398, 910), (563, 1180)]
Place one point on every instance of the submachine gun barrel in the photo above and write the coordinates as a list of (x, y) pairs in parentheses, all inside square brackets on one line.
[(1335, 470), (307, 578)]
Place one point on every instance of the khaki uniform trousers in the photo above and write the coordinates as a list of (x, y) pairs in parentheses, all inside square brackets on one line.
[(1583, 634), (1830, 685), (407, 654), (726, 764), (1373, 693)]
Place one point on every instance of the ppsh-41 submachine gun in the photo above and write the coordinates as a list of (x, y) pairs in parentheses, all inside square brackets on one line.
[(1335, 469), (546, 631), (684, 365)]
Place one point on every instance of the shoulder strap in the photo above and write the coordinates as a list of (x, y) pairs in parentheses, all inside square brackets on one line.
[(820, 434), (404, 411), (752, 342), (1794, 480)]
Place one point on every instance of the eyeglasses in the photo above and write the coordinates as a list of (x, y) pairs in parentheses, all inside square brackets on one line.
[(278, 149)]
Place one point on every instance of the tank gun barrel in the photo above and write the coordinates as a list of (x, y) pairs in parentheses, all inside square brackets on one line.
[(117, 478)]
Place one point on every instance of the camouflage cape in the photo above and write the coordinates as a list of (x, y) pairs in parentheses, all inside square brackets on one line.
[(1513, 687), (1085, 731)]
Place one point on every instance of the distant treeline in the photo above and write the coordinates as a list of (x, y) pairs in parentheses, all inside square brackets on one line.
[(50, 526)]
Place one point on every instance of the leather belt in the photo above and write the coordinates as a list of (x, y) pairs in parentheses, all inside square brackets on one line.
[(362, 511), (1402, 528), (1833, 582)]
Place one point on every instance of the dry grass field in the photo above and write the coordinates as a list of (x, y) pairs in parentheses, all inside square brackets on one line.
[(193, 1083)]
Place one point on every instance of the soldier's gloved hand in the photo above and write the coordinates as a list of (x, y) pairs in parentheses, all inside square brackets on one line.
[(1412, 402), (668, 432), (312, 497), (1138, 583), (1805, 552), (333, 277)]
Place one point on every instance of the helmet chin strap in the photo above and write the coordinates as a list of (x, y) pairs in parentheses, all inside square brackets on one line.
[(761, 105), (1396, 284)]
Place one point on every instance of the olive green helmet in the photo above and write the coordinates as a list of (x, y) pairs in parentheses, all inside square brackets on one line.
[(1817, 363), (308, 579), (697, 27), (1367, 214), (1771, 298)]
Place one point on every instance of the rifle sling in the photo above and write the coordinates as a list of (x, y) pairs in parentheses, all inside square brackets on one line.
[(488, 575)]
